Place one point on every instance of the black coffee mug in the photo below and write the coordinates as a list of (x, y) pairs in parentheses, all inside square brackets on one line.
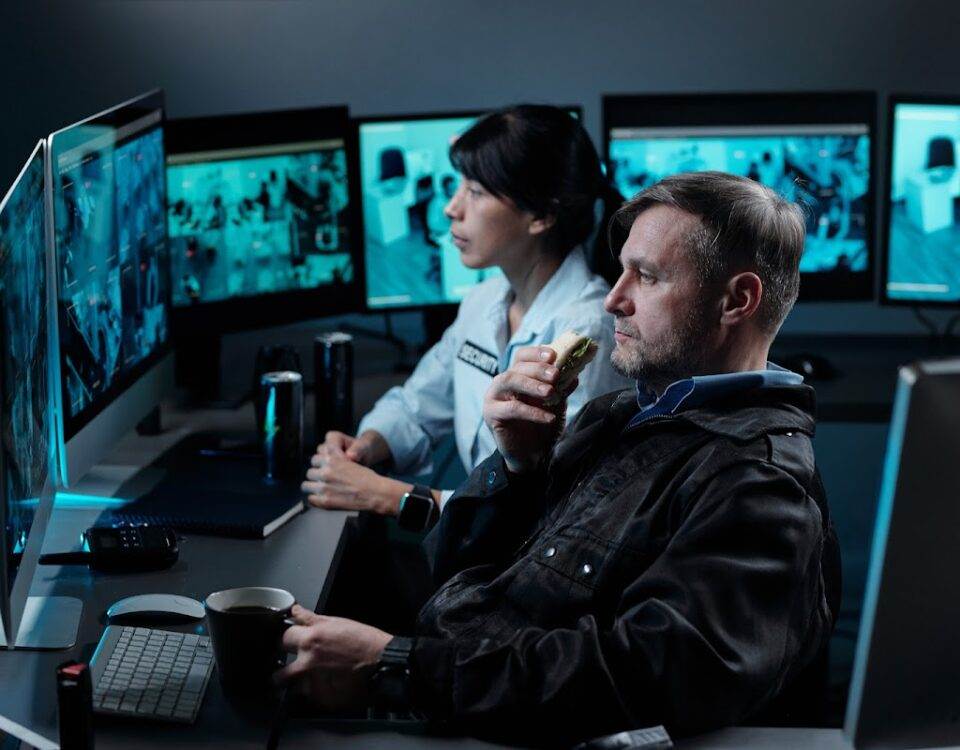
[(246, 627)]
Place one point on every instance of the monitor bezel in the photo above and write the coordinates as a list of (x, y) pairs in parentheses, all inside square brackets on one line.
[(886, 210), (766, 108), (72, 424), (359, 122), (268, 128)]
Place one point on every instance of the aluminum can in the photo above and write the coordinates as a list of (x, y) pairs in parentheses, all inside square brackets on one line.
[(333, 397), (281, 401)]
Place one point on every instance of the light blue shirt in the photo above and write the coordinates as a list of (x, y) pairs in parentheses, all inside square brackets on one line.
[(691, 392), (445, 393)]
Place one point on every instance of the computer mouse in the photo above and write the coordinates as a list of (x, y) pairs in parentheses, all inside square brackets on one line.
[(811, 366), (155, 607)]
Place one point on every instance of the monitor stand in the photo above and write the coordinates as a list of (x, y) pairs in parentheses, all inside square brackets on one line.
[(48, 623), (197, 369)]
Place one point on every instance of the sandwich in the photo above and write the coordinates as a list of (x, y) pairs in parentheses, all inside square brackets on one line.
[(574, 353)]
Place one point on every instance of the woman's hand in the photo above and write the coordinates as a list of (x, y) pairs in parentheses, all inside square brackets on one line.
[(334, 658), (336, 483), (525, 430), (368, 449)]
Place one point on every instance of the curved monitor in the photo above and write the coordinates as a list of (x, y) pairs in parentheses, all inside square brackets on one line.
[(111, 263), (921, 258), (262, 219), (813, 148)]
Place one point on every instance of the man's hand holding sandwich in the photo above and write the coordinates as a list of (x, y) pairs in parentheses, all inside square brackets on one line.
[(525, 406)]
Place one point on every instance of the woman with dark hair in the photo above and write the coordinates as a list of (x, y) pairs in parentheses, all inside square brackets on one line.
[(530, 182)]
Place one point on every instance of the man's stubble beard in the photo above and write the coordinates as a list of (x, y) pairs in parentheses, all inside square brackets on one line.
[(680, 355)]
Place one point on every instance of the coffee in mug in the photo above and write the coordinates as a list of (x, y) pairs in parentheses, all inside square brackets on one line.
[(246, 627)]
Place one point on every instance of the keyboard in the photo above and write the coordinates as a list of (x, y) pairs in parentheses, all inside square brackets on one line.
[(150, 674)]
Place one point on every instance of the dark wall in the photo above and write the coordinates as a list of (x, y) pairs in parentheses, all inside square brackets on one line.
[(60, 61)]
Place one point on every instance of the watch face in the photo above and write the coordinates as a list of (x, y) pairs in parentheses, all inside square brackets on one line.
[(414, 512)]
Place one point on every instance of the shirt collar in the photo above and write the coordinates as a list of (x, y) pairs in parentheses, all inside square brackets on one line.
[(565, 285), (699, 389)]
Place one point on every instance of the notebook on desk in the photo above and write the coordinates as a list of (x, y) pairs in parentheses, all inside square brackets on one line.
[(217, 498)]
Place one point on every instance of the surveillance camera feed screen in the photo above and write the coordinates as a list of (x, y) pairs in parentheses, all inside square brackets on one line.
[(258, 221), (923, 245), (112, 256), (407, 179), (25, 417), (825, 168)]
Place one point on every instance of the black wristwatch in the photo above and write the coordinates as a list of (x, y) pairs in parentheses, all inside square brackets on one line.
[(418, 511), (390, 682)]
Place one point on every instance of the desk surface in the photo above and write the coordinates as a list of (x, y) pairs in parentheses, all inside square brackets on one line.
[(735, 738), (296, 557)]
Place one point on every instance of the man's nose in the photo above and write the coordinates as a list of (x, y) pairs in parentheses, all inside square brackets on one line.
[(617, 302)]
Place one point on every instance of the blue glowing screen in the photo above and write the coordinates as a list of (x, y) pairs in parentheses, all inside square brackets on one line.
[(406, 179), (923, 246), (25, 409), (259, 222), (112, 262), (826, 169)]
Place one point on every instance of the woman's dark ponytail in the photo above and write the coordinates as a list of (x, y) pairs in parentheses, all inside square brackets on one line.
[(604, 259)]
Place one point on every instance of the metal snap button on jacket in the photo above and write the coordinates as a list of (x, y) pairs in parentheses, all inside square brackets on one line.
[(550, 552), (587, 569)]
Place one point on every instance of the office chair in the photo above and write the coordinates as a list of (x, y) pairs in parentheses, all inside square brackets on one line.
[(940, 153), (393, 166)]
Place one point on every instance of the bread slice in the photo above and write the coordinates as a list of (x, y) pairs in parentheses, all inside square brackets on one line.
[(574, 353)]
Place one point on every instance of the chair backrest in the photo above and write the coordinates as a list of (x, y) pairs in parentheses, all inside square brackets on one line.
[(940, 153), (392, 164)]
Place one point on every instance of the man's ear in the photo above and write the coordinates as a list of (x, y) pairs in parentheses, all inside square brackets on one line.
[(741, 298)]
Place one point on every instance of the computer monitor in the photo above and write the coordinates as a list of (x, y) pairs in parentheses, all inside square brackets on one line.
[(262, 219), (921, 258), (112, 276), (903, 692), (406, 179), (27, 445), (814, 148)]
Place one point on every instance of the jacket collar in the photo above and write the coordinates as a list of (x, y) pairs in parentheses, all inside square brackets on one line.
[(747, 414)]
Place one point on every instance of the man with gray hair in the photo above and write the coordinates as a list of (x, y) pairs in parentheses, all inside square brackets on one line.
[(669, 557)]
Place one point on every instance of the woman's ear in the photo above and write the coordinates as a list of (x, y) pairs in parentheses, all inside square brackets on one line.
[(540, 224)]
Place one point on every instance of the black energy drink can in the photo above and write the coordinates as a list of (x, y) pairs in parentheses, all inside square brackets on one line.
[(281, 401), (333, 397)]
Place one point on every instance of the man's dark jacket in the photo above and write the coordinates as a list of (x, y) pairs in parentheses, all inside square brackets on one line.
[(680, 573)]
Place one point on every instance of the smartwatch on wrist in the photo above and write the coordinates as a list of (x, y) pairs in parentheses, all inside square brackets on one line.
[(390, 682), (418, 511)]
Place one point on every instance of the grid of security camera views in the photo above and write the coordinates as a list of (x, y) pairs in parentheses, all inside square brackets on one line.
[(25, 418), (924, 230), (406, 178), (258, 221), (826, 169), (111, 251)]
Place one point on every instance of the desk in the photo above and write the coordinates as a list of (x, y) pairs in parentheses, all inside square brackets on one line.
[(735, 738), (296, 557)]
